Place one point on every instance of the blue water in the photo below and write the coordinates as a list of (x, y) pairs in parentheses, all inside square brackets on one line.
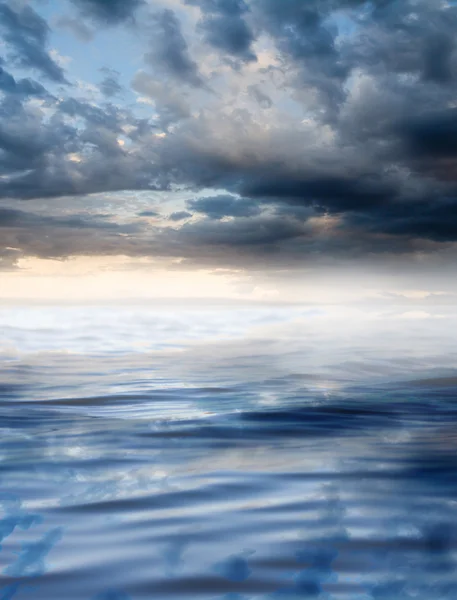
[(228, 453)]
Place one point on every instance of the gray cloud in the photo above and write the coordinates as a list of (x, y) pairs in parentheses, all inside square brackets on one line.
[(307, 42), (75, 152), (260, 96), (26, 34), (343, 146), (388, 41), (48, 236), (170, 104), (109, 12), (224, 27), (265, 232), (22, 87), (217, 207), (12, 218), (169, 49), (431, 135), (180, 215), (148, 213), (110, 85)]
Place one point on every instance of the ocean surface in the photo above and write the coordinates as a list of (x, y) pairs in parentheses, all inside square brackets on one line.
[(229, 453)]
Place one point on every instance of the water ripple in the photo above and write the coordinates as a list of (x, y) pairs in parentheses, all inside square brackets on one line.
[(229, 471)]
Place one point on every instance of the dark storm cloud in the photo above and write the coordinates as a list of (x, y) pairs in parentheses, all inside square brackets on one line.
[(299, 30), (337, 194), (431, 218), (224, 27), (24, 142), (109, 12), (414, 39), (74, 152), (431, 135), (405, 38), (271, 241), (26, 35), (170, 51), (217, 207), (344, 146), (306, 42), (257, 232)]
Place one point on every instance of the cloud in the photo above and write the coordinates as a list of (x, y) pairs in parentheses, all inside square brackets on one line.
[(431, 135), (432, 218), (179, 216), (21, 87), (394, 31), (108, 116), (224, 27), (170, 51), (257, 232), (110, 85), (75, 152), (260, 96), (25, 233), (306, 43), (217, 207), (11, 218), (337, 143), (148, 213), (171, 104), (26, 35), (109, 12)]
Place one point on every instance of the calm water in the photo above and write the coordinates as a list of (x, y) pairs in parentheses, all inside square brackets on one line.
[(228, 453)]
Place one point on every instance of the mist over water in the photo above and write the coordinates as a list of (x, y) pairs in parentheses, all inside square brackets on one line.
[(228, 453)]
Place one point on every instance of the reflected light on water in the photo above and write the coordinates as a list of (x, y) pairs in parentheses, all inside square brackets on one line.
[(229, 455)]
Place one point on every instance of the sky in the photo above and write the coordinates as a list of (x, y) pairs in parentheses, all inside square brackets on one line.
[(265, 150)]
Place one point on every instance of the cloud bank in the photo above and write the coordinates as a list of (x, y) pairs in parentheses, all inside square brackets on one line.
[(297, 131)]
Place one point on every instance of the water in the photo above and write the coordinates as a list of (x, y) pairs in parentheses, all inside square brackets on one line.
[(228, 453)]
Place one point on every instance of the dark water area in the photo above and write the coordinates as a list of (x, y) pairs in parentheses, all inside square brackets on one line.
[(229, 455)]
